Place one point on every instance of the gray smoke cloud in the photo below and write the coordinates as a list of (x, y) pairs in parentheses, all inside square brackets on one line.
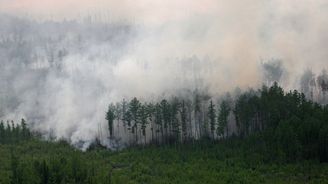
[(60, 70)]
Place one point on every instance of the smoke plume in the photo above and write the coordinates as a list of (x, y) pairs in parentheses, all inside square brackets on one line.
[(60, 68)]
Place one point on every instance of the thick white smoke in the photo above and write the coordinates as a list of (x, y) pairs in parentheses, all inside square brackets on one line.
[(61, 74)]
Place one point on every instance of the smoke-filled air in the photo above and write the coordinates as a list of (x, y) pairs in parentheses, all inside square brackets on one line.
[(63, 62)]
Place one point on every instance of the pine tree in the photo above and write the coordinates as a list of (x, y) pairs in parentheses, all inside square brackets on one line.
[(183, 117), (25, 131), (128, 118), (212, 117), (143, 114), (174, 118), (150, 111), (134, 107), (2, 132), (158, 121), (166, 115), (8, 133), (118, 116), (197, 118), (124, 112), (223, 118), (110, 117)]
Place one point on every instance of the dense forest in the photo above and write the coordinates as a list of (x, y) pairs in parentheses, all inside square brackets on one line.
[(272, 127), (285, 122)]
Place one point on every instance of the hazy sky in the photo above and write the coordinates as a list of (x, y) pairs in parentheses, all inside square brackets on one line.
[(141, 10), (237, 32)]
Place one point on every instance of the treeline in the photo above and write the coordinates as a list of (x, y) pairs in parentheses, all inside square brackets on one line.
[(284, 123), (13, 133), (168, 121)]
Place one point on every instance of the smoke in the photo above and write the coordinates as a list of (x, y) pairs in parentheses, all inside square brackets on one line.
[(273, 71), (308, 83), (60, 69)]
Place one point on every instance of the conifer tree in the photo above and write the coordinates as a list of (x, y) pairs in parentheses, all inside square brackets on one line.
[(165, 108), (143, 114), (2, 132), (150, 111), (197, 118), (134, 107), (183, 117), (110, 117), (174, 118), (158, 118), (124, 112), (223, 118), (212, 117), (25, 131)]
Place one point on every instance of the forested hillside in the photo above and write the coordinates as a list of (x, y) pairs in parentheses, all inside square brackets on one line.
[(284, 122), (280, 137)]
